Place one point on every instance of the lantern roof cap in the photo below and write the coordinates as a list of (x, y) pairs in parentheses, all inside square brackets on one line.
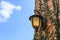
[(35, 16)]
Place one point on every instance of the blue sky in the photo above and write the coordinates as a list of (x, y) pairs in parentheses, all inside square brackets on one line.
[(14, 20)]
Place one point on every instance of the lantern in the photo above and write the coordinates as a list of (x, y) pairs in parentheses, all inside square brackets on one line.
[(36, 21)]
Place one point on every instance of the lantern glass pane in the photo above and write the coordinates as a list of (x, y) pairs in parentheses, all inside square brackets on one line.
[(36, 22)]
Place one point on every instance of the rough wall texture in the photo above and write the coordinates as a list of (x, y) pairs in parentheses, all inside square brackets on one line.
[(50, 9)]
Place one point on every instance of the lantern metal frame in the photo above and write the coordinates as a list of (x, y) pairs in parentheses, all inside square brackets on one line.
[(40, 18), (42, 23)]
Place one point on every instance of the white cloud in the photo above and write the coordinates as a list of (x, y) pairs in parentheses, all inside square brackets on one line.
[(6, 10)]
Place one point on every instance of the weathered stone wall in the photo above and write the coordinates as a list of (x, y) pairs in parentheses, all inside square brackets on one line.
[(50, 9)]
